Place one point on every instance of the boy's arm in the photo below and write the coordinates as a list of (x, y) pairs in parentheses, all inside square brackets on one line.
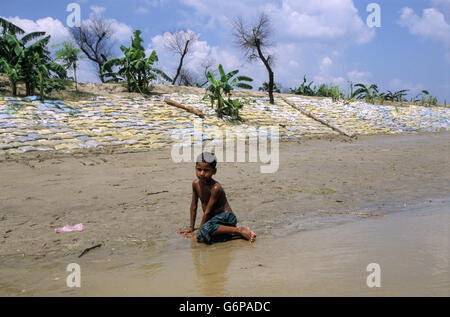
[(215, 191), (193, 210)]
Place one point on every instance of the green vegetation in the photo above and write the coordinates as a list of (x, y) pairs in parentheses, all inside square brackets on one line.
[(425, 99), (323, 90), (69, 55), (25, 59), (26, 62), (369, 93), (134, 68), (223, 87), (265, 87)]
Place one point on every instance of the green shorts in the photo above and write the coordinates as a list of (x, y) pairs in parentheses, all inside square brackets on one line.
[(208, 229)]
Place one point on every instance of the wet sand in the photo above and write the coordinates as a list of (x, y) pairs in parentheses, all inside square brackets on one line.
[(133, 203), (410, 244)]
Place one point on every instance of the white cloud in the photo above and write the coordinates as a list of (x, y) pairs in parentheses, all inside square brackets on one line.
[(59, 33), (309, 36), (336, 20), (356, 76), (200, 52), (443, 6), (97, 9), (325, 64), (121, 32), (431, 25), (320, 21)]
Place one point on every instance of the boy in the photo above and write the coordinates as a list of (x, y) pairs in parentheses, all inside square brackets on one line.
[(218, 222)]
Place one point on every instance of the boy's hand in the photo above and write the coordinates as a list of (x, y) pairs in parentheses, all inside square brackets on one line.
[(190, 235), (185, 231)]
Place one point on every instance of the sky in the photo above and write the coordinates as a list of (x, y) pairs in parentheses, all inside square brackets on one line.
[(329, 41)]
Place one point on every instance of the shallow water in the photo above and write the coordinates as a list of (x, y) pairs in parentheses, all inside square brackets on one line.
[(411, 245)]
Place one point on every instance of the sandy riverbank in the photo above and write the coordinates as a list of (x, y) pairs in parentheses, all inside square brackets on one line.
[(144, 197)]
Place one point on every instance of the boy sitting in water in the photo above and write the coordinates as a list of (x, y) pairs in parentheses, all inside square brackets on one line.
[(218, 222)]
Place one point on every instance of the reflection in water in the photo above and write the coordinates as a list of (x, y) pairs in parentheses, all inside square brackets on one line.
[(412, 248), (211, 267)]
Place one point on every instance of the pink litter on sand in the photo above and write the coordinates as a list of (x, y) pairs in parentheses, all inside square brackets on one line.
[(79, 227)]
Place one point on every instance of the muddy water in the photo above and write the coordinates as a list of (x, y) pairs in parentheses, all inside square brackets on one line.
[(411, 245)]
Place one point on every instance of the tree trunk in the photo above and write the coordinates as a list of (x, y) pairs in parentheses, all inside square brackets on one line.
[(323, 121), (179, 105), (28, 88), (41, 86), (13, 88), (271, 84), (100, 72), (181, 62), (75, 75), (128, 83), (269, 70)]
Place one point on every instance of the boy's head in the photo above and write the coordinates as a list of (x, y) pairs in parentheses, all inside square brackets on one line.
[(207, 157), (205, 166)]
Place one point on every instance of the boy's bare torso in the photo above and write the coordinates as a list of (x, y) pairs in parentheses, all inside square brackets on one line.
[(204, 193)]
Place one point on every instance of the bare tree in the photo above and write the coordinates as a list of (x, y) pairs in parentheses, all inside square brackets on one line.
[(253, 40), (180, 43), (199, 78), (94, 38)]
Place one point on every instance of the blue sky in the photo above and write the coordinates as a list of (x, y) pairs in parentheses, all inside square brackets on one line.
[(327, 40)]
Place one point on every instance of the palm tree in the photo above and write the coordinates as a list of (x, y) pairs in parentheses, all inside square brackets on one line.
[(70, 56)]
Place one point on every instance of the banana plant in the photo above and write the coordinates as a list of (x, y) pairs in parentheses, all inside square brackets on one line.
[(9, 28), (44, 69), (232, 108), (10, 52), (399, 95), (425, 98), (22, 61), (33, 60), (134, 68), (12, 71), (265, 87), (303, 89), (224, 86), (367, 93)]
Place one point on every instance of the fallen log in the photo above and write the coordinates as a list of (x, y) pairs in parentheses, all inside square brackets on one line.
[(179, 105), (323, 121)]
